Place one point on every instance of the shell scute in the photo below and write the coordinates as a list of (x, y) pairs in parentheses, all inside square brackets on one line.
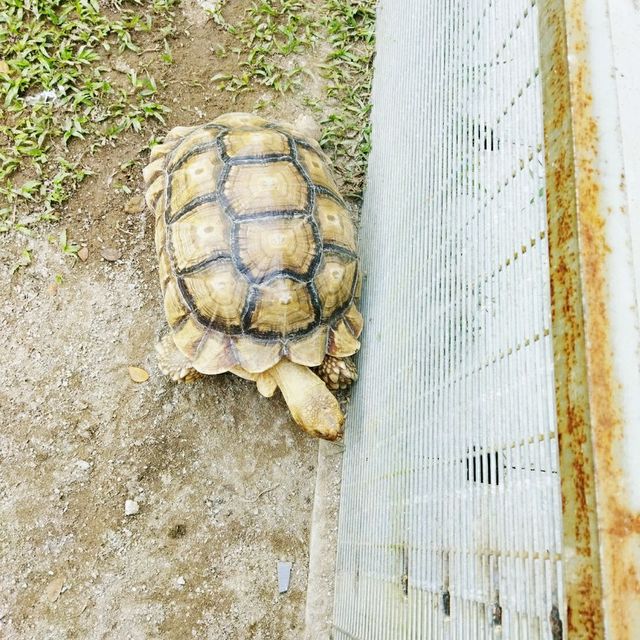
[(341, 341), (174, 307), (203, 139), (217, 294), (199, 236), (164, 268), (251, 189), (335, 283), (282, 307), (335, 223), (256, 357), (188, 336), (252, 142), (317, 169), (354, 320), (214, 354), (193, 181), (310, 349), (233, 120), (277, 245)]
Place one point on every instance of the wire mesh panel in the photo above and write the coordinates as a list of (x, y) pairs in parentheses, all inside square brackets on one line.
[(450, 523)]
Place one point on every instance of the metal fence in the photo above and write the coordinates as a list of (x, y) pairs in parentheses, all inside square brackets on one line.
[(451, 521)]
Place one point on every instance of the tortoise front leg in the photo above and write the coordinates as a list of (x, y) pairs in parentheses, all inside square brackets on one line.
[(337, 373), (173, 363)]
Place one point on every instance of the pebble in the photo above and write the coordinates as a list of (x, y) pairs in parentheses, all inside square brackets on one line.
[(110, 254), (131, 508), (83, 465), (181, 581), (122, 67), (54, 589), (135, 205)]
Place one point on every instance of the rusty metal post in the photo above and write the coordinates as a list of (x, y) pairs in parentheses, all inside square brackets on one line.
[(596, 329)]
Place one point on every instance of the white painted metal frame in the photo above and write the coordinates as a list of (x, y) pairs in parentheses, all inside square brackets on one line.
[(591, 96)]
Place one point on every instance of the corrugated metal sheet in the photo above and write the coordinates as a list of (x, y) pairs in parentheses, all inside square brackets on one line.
[(450, 523)]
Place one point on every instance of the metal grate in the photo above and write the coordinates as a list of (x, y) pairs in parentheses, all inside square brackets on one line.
[(450, 522)]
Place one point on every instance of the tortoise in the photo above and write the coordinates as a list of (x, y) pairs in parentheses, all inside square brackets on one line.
[(257, 263)]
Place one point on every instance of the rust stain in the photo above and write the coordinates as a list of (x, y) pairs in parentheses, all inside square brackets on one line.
[(616, 521), (580, 622), (602, 578), (581, 565)]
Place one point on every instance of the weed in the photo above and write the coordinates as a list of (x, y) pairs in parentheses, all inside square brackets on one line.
[(270, 31), (23, 261), (66, 246), (348, 71)]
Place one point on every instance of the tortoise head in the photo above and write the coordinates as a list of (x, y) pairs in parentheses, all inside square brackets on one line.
[(307, 127)]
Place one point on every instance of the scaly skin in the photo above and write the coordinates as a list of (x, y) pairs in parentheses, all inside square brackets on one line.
[(337, 373), (313, 407), (173, 363)]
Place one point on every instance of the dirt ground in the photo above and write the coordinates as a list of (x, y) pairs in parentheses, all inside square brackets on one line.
[(223, 480)]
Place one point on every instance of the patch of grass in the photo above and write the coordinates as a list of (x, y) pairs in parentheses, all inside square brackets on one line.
[(348, 71), (54, 89), (269, 33)]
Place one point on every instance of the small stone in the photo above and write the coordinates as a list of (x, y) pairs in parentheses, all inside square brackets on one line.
[(110, 254), (43, 96), (135, 205), (54, 588), (83, 465), (131, 508), (83, 254), (121, 66), (181, 581)]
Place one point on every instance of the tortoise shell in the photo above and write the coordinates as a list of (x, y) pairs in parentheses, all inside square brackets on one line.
[(256, 249)]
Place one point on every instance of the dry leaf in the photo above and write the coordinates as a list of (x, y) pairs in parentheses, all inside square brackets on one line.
[(83, 254), (111, 255), (138, 375), (54, 588), (135, 205), (4, 67)]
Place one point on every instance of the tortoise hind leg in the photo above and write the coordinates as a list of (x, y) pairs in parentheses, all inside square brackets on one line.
[(337, 373), (173, 363)]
